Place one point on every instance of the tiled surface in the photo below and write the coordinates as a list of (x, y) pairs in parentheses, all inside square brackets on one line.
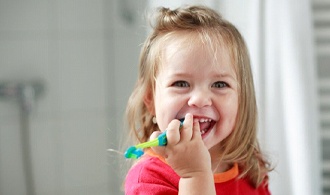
[(83, 57), (31, 15), (81, 79), (11, 166)]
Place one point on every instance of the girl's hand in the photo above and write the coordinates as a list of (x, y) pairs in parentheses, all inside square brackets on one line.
[(185, 151)]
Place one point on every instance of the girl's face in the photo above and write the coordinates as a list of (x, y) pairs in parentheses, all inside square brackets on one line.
[(192, 79)]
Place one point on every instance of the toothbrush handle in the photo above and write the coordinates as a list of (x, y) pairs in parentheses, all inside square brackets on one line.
[(162, 140)]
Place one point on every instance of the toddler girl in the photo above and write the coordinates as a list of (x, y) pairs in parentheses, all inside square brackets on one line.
[(195, 67)]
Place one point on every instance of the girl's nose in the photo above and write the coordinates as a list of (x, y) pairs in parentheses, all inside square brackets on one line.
[(200, 99)]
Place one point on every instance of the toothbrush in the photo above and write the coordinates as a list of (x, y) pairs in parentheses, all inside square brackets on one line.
[(136, 151)]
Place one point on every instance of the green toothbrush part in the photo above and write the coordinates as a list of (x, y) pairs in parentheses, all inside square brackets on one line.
[(136, 151)]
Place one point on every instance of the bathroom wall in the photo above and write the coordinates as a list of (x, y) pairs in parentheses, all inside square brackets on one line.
[(85, 52)]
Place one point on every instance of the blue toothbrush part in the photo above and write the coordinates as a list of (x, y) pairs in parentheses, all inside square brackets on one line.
[(136, 151), (162, 139), (133, 152)]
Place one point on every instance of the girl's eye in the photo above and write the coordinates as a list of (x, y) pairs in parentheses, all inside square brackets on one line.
[(219, 84), (181, 84)]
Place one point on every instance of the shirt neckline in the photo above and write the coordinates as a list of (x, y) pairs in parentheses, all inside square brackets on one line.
[(218, 177)]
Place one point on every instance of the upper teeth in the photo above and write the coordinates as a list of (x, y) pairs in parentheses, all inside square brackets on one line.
[(203, 120)]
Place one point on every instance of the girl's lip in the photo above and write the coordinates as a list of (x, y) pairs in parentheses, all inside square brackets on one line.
[(203, 119), (197, 117), (181, 116), (204, 134)]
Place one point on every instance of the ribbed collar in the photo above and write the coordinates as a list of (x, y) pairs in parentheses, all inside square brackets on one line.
[(218, 177)]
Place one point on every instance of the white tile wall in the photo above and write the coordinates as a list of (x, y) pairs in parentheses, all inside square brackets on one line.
[(86, 53), (11, 167)]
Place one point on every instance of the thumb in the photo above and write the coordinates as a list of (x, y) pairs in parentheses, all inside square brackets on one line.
[(154, 135), (160, 150)]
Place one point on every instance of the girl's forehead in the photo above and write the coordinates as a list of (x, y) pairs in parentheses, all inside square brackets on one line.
[(175, 42), (197, 64), (184, 45)]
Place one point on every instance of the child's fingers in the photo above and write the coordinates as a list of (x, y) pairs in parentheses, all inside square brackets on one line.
[(154, 135), (186, 130), (158, 149), (196, 130), (173, 132)]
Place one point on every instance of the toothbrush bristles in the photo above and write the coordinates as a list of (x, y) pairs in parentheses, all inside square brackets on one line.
[(115, 151)]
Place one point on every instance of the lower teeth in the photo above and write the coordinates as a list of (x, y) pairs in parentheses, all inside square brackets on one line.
[(203, 131)]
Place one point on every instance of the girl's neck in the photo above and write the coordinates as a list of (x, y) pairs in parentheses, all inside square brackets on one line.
[(218, 167)]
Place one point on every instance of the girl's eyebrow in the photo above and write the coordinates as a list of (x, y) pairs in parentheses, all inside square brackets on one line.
[(220, 74), (225, 75), (180, 74), (216, 75)]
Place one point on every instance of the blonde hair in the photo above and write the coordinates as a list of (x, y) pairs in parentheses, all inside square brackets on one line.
[(241, 145)]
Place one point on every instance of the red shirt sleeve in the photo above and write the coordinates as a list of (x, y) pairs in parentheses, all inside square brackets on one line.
[(151, 176)]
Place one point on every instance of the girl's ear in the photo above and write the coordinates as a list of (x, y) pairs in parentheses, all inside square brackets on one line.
[(149, 102)]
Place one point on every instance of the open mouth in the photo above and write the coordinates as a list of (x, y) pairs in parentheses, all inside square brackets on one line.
[(205, 125)]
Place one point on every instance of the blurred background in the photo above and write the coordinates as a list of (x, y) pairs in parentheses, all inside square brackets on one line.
[(67, 68)]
